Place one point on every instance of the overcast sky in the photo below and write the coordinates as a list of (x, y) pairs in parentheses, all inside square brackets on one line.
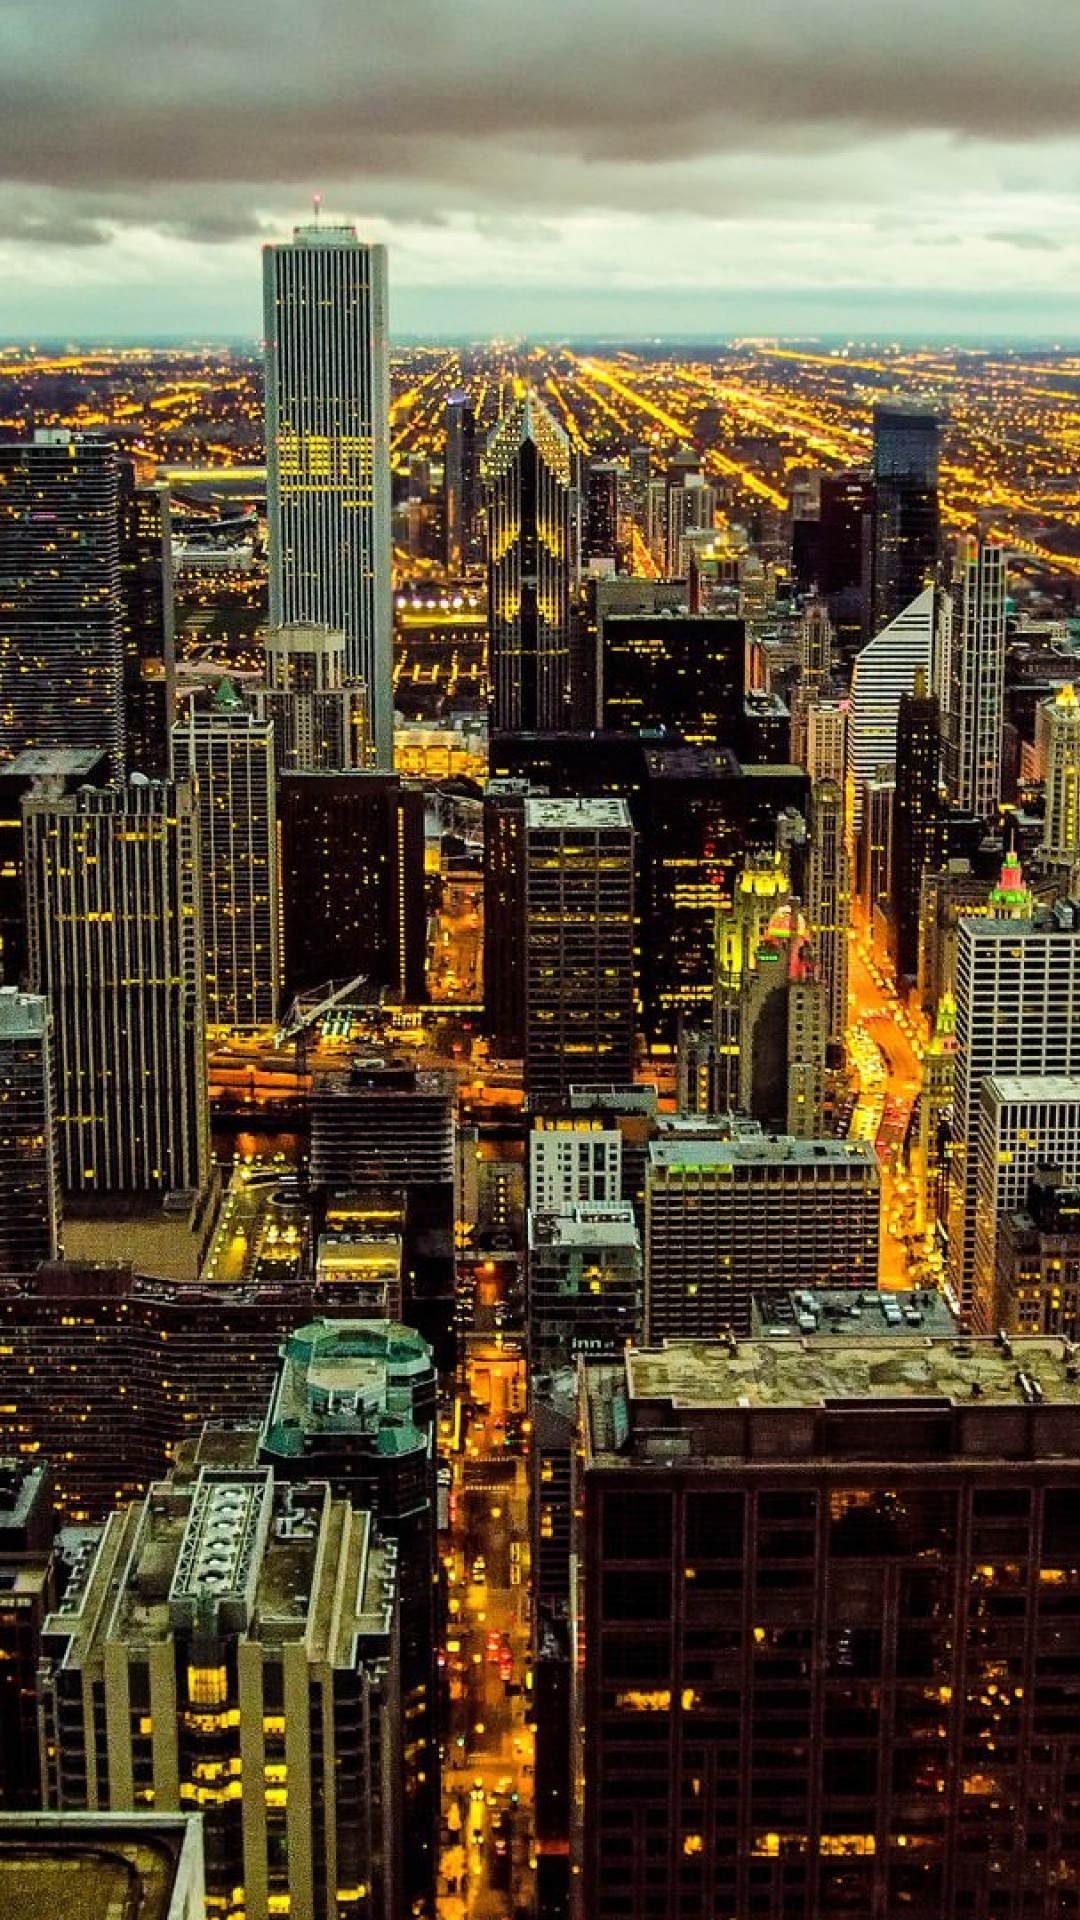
[(551, 166)]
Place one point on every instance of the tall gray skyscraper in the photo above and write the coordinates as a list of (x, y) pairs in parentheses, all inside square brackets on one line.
[(328, 450), (530, 570), (228, 755), (61, 644), (969, 675), (115, 938)]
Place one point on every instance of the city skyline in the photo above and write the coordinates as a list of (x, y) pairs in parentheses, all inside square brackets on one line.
[(698, 175)]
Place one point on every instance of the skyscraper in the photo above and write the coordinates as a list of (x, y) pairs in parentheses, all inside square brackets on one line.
[(231, 1647), (828, 902), (114, 918), (969, 675), (1017, 1012), (907, 521), (579, 958), (463, 505), (1061, 822), (61, 644), (811, 1677), (885, 669), (29, 1171), (146, 592), (918, 825), (1026, 1123), (228, 756), (328, 450), (318, 709), (527, 474)]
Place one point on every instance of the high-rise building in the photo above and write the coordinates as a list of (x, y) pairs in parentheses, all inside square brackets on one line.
[(328, 451), (1026, 1122), (462, 488), (828, 902), (579, 960), (354, 1405), (782, 1030), (29, 1168), (381, 1126), (114, 914), (27, 1594), (884, 671), (918, 825), (352, 881), (531, 566), (844, 561), (931, 1145), (680, 672), (1017, 1013), (1060, 844), (600, 518), (228, 757), (65, 769), (150, 1862), (504, 915), (61, 639), (720, 1213), (826, 729), (148, 618), (1037, 1264), (969, 675), (874, 842), (812, 1678), (573, 1159), (584, 1283), (761, 889), (907, 519), (231, 1647), (319, 712)]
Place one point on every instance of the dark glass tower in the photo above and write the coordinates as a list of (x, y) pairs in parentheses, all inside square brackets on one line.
[(61, 647), (461, 487), (146, 590), (530, 569), (918, 816), (907, 527)]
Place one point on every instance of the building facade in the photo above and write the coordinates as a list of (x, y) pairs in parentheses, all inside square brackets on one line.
[(30, 1208), (531, 566), (325, 326), (319, 711)]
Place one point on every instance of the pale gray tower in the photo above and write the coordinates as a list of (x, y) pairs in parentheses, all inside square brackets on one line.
[(969, 675), (328, 450), (1061, 822), (228, 755)]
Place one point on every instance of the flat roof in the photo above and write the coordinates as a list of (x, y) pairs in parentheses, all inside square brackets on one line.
[(691, 1151), (809, 1372), (784, 1313), (68, 762), (607, 1223), (22, 1015), (1012, 1089), (90, 1866), (604, 811)]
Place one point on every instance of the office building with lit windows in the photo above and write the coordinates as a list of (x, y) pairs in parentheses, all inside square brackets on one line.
[(1017, 1013), (918, 817), (825, 1614), (969, 675), (318, 709), (114, 915), (579, 959), (1060, 845), (228, 756), (328, 450), (230, 1649), (29, 1161), (531, 568), (1037, 1265), (907, 513), (1026, 1122), (148, 622), (723, 1213), (61, 639), (883, 672), (584, 1282)]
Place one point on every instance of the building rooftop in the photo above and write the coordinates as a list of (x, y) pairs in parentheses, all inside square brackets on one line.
[(781, 1313), (689, 1401), (64, 763), (21, 1487), (1053, 1088), (101, 1866), (349, 1377), (591, 1223), (551, 816), (22, 1015), (691, 1151)]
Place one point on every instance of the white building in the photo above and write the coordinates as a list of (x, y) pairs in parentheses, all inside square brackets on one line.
[(571, 1162), (1024, 1123), (883, 671), (328, 450), (1017, 1014)]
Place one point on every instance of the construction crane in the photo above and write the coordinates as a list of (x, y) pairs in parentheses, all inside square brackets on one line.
[(308, 1008)]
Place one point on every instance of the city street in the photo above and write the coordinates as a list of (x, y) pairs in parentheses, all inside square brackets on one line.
[(487, 1774), (889, 1086)]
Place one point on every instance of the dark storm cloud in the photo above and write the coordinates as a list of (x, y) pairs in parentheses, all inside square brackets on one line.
[(191, 114)]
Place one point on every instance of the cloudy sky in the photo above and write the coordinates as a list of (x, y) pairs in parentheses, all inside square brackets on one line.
[(552, 166)]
